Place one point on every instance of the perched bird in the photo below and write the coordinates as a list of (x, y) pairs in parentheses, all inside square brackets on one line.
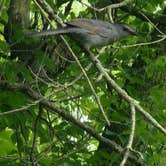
[(90, 33)]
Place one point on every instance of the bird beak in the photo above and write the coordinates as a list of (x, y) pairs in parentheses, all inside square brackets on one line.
[(134, 33)]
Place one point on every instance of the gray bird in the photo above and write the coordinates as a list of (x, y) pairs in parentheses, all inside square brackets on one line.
[(90, 33)]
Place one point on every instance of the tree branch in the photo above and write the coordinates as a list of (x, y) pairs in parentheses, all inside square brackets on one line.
[(124, 94), (49, 11), (67, 116), (131, 138), (109, 7)]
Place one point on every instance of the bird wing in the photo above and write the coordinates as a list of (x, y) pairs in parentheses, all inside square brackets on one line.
[(92, 26), (103, 32)]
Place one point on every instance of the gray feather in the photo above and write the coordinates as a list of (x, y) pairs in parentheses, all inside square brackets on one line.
[(53, 32)]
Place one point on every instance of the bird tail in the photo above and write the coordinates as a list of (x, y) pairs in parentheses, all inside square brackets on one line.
[(53, 32)]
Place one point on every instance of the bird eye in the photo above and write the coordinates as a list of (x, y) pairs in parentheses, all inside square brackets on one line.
[(129, 30), (126, 28)]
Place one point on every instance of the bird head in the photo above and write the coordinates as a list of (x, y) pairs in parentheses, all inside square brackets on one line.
[(125, 30)]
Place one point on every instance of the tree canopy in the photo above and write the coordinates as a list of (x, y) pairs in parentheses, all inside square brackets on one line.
[(61, 105)]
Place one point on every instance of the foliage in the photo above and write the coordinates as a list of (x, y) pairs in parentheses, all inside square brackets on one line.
[(36, 135)]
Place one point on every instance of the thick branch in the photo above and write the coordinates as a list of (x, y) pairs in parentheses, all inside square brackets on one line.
[(124, 94), (50, 106)]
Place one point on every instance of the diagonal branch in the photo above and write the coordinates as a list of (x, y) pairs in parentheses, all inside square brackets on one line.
[(90, 84), (124, 94), (49, 10), (67, 116)]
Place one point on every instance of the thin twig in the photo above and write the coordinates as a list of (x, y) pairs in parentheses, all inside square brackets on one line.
[(36, 124), (143, 44), (23, 108), (112, 6), (162, 33), (26, 107), (131, 138), (89, 82)]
